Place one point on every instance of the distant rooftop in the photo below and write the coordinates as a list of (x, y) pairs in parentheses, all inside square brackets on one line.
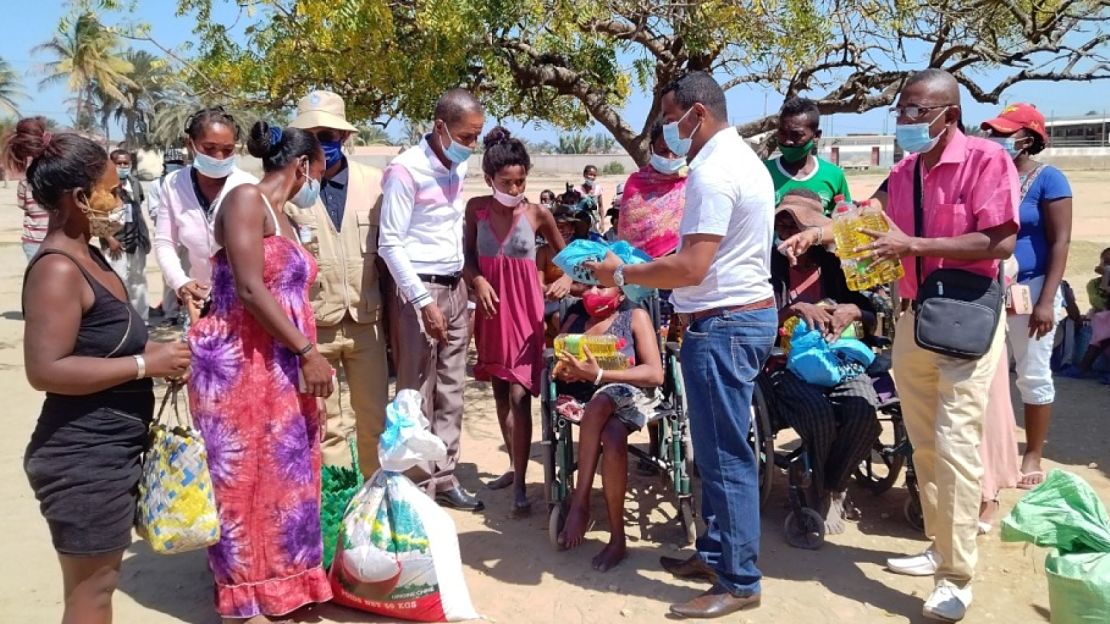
[(1077, 121)]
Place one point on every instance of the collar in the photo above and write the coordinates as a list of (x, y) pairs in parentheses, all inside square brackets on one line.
[(711, 145), (433, 160), (787, 175), (339, 180), (956, 150)]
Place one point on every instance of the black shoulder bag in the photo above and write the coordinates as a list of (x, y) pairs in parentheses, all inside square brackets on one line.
[(957, 311)]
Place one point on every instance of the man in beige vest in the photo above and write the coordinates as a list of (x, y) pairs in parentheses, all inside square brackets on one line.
[(341, 230)]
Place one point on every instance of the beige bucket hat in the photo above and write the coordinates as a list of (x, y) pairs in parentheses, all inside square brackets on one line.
[(322, 109)]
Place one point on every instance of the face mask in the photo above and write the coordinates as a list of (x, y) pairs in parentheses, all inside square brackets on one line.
[(794, 153), (667, 165), (1009, 144), (214, 168), (511, 201), (105, 213), (333, 152), (123, 173), (173, 167), (678, 145), (455, 152), (915, 139), (306, 197), (598, 305), (587, 183)]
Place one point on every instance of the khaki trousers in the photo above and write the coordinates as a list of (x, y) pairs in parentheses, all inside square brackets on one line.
[(357, 407), (944, 400), (437, 370)]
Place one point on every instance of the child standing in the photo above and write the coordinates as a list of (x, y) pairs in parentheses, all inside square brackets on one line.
[(501, 269)]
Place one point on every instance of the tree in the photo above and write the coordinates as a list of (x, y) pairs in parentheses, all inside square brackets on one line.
[(10, 91), (371, 135), (574, 143), (572, 62), (85, 57), (135, 112)]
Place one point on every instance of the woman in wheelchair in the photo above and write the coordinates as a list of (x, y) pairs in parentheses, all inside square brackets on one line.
[(838, 424), (609, 405)]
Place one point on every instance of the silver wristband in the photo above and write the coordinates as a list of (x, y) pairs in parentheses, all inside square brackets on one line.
[(141, 364)]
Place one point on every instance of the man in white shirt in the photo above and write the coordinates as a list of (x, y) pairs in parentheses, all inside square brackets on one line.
[(421, 241), (721, 289)]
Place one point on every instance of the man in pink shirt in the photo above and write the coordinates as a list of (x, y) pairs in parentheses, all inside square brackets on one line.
[(970, 201)]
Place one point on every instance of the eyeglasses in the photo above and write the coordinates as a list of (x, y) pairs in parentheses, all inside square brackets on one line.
[(914, 111)]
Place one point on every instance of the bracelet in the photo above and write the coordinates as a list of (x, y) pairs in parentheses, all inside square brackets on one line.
[(600, 374), (140, 363), (306, 350)]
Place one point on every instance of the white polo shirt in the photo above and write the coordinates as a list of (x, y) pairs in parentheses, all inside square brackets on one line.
[(729, 193)]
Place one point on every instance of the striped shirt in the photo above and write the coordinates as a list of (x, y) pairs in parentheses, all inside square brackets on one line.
[(35, 218)]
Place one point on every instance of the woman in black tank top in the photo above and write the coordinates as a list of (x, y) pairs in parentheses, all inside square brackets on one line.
[(87, 349)]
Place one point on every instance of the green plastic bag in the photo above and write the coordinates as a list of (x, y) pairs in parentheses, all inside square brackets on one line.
[(337, 487), (1064, 513)]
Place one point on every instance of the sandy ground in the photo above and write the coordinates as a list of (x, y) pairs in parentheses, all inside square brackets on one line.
[(513, 573)]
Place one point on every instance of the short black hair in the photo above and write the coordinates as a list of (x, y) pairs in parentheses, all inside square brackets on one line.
[(587, 168), (656, 132), (118, 152), (453, 105), (547, 192), (802, 192), (802, 106), (1037, 146), (59, 162), (502, 150), (200, 120), (277, 146), (695, 87)]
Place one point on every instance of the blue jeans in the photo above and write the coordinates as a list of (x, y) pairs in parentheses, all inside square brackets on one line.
[(721, 357)]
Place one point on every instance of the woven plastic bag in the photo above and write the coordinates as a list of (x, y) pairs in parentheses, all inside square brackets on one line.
[(1065, 514), (338, 485), (398, 551), (572, 256), (177, 508)]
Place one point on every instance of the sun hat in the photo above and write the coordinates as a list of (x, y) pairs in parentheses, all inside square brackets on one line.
[(322, 109), (807, 212), (1016, 117)]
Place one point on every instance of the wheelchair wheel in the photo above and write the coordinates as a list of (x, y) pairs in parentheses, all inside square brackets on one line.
[(555, 521), (911, 509), (880, 470), (689, 522), (547, 435), (763, 443), (805, 529)]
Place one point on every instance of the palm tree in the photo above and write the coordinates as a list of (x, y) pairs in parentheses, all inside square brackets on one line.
[(85, 54), (10, 90), (372, 135), (135, 112)]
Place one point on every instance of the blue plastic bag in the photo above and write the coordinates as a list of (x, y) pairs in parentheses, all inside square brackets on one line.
[(571, 258), (813, 360)]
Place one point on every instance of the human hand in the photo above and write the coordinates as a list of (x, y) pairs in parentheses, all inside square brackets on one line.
[(603, 271), (485, 297), (797, 245), (434, 323), (317, 375), (843, 315), (115, 248), (558, 289), (570, 368), (1042, 321), (816, 317), (167, 359), (890, 245), (193, 291)]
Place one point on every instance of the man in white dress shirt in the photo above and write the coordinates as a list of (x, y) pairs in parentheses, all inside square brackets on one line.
[(421, 241)]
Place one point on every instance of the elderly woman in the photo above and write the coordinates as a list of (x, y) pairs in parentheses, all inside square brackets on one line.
[(838, 424)]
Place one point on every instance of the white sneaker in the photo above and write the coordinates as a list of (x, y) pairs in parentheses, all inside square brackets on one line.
[(924, 564), (947, 603)]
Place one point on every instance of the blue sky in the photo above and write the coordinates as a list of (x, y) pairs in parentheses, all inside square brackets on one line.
[(31, 23)]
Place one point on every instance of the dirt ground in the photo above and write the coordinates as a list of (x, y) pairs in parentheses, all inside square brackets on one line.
[(515, 575)]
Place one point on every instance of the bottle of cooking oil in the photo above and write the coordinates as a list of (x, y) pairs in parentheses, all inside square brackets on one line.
[(887, 270), (605, 349), (846, 225)]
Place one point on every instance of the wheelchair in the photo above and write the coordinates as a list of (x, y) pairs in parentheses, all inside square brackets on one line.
[(669, 452), (804, 527)]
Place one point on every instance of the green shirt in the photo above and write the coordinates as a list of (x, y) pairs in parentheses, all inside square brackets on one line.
[(1095, 294), (826, 179)]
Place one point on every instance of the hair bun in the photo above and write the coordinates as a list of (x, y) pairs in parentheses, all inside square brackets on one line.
[(264, 139), (26, 142), (496, 136)]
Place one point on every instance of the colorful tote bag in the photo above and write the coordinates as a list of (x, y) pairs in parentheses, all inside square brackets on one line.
[(177, 508)]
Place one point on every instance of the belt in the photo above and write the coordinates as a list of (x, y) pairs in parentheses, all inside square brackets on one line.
[(442, 280), (688, 318)]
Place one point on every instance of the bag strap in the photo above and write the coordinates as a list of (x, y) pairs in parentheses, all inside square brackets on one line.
[(918, 214), (172, 394)]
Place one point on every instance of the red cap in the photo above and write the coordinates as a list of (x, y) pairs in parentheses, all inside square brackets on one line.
[(1017, 116)]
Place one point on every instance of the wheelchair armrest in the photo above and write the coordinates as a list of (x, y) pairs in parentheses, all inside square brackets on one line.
[(549, 356)]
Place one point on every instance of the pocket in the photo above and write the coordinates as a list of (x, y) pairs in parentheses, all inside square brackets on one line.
[(367, 234), (949, 220)]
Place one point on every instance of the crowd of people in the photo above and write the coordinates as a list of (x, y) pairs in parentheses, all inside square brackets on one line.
[(315, 272)]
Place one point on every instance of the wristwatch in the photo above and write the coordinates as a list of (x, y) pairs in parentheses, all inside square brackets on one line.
[(618, 276)]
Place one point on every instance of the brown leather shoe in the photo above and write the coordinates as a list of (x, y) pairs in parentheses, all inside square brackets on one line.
[(714, 603), (693, 568)]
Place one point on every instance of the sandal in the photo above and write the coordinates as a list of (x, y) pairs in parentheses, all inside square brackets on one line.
[(1036, 474)]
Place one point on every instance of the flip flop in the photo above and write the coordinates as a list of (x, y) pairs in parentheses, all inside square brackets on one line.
[(985, 527), (1022, 476)]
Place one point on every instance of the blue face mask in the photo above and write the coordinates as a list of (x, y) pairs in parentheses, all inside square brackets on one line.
[(306, 197), (915, 139), (214, 168), (1009, 144), (667, 165), (678, 145), (333, 152), (455, 152), (123, 173)]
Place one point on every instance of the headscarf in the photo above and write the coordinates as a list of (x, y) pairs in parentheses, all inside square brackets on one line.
[(651, 211)]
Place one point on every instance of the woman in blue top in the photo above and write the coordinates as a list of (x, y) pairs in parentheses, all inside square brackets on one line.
[(1042, 254)]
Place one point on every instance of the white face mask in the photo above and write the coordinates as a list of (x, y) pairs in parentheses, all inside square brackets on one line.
[(510, 201), (214, 168), (667, 165)]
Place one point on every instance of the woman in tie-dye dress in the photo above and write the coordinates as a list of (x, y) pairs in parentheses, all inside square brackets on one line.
[(261, 427)]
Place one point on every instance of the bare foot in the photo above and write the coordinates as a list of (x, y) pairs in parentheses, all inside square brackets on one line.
[(1031, 473), (987, 509), (835, 523), (522, 505), (501, 482), (574, 531), (611, 555)]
